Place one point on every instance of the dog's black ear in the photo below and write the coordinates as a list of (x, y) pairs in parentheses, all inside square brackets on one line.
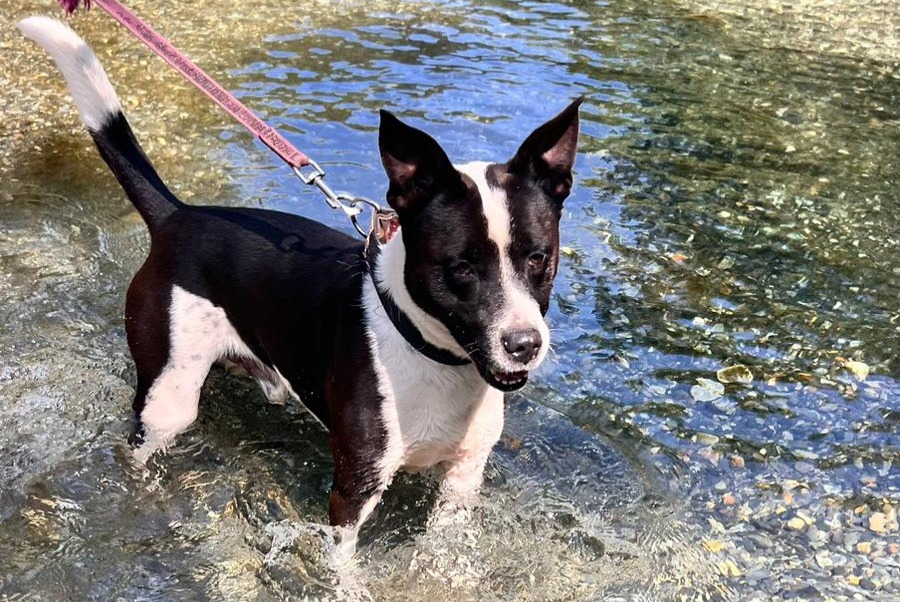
[(549, 153), (417, 167)]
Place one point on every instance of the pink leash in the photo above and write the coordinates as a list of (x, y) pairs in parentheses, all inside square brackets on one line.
[(197, 76), (352, 206)]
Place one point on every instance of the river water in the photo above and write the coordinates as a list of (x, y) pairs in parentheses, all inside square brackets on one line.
[(736, 205)]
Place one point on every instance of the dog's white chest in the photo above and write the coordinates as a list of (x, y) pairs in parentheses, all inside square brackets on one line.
[(432, 413), (439, 418)]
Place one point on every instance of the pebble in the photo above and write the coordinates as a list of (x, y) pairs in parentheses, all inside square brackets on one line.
[(797, 523), (878, 522), (706, 439), (815, 536), (803, 454), (867, 584), (738, 373), (707, 390), (729, 569), (759, 573), (804, 467), (761, 541), (808, 592), (864, 547), (713, 545), (859, 369), (823, 559)]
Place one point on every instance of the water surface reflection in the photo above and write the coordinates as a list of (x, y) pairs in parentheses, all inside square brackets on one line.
[(736, 205)]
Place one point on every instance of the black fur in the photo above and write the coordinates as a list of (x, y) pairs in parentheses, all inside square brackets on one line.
[(292, 287)]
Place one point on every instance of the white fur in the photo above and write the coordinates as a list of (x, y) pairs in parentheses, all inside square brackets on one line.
[(493, 204), (199, 335), (520, 310), (433, 413), (90, 88)]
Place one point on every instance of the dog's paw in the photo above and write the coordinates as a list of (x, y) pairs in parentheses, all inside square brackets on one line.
[(136, 436)]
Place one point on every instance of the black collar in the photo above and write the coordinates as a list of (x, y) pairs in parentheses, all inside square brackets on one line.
[(402, 322)]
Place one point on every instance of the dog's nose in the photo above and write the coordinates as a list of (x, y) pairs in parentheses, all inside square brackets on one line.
[(522, 345)]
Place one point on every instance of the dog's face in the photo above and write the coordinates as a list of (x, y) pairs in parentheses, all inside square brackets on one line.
[(482, 240)]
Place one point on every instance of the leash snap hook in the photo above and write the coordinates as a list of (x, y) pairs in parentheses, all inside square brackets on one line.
[(347, 203), (350, 205), (317, 178), (358, 203), (317, 172)]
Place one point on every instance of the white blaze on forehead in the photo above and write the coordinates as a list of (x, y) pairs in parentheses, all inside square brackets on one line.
[(493, 203), (519, 310)]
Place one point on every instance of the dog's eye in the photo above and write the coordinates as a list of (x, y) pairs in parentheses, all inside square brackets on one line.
[(537, 261), (462, 269)]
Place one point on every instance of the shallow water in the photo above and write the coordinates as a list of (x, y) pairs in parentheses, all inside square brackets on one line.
[(736, 203)]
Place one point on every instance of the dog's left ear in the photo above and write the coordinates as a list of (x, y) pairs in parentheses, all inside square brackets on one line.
[(416, 165), (549, 153)]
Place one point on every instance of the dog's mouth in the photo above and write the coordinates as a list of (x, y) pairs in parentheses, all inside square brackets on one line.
[(497, 377), (505, 381)]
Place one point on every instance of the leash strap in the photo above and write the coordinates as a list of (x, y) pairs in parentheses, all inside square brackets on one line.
[(352, 206), (197, 76)]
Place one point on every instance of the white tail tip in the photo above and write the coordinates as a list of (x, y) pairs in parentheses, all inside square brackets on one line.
[(88, 84)]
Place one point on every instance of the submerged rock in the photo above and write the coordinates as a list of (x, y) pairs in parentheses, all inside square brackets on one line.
[(707, 390), (738, 373)]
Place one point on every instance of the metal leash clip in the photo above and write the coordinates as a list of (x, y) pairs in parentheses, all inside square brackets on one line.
[(351, 205)]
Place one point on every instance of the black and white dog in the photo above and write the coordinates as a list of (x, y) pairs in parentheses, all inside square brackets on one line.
[(403, 354)]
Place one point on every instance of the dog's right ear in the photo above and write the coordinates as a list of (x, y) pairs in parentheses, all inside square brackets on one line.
[(548, 154), (416, 166)]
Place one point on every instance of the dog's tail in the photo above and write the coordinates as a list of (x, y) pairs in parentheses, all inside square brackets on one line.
[(101, 112)]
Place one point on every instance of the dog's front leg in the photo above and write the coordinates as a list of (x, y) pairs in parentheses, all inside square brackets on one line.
[(464, 474), (459, 488), (363, 468), (354, 494)]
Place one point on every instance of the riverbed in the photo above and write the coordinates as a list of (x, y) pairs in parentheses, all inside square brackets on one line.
[(718, 419)]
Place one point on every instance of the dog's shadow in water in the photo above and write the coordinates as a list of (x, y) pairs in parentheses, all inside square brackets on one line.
[(277, 459)]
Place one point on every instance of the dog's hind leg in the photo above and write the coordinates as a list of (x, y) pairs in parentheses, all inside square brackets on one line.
[(147, 325), (274, 387), (197, 333)]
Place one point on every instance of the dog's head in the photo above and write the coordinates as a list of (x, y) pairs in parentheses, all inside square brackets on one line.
[(480, 243)]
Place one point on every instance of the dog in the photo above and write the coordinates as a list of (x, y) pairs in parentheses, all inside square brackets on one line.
[(402, 350)]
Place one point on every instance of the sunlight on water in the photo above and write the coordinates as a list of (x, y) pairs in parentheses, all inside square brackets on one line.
[(736, 207)]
